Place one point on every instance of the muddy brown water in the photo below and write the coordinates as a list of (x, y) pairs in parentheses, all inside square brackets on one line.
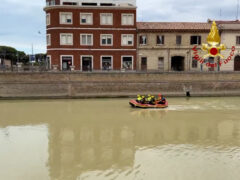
[(106, 139)]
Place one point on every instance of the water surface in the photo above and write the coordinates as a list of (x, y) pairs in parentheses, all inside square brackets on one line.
[(105, 139)]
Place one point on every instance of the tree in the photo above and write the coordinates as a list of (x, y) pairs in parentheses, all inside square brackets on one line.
[(14, 55)]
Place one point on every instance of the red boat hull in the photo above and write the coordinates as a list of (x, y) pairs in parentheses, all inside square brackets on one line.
[(135, 104)]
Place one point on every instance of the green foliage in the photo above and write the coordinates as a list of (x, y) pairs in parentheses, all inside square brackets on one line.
[(20, 56)]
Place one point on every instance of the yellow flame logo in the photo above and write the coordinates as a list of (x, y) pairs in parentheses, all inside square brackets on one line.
[(213, 47)]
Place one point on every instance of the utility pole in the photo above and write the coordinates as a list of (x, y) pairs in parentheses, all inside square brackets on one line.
[(4, 56), (237, 9), (17, 57), (31, 56), (32, 49)]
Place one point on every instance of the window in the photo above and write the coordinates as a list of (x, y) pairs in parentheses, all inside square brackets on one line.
[(86, 18), (143, 63), (127, 62), (178, 40), (48, 21), (67, 62), (161, 63), (195, 40), (127, 19), (106, 39), (107, 4), (70, 3), (238, 40), (143, 40), (66, 39), (160, 40), (106, 19), (86, 39), (106, 63), (89, 4), (127, 40), (51, 3), (48, 39), (65, 18), (211, 61), (194, 63), (87, 63)]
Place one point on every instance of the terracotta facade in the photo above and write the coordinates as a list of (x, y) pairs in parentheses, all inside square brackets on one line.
[(116, 50)]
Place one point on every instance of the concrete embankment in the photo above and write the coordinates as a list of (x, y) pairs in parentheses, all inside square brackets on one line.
[(80, 85)]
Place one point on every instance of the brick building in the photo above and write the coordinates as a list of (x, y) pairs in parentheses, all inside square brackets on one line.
[(91, 35), (167, 46)]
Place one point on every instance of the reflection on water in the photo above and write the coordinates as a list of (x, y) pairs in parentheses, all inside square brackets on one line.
[(106, 139)]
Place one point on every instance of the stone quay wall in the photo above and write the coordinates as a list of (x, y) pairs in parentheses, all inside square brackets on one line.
[(87, 85)]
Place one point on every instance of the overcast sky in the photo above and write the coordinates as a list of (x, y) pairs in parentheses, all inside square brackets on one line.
[(22, 23)]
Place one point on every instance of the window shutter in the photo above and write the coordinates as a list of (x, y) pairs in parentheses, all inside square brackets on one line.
[(63, 39), (103, 19), (131, 17), (124, 40), (88, 19), (109, 17), (140, 40), (62, 18), (191, 40), (124, 20), (89, 39), (84, 40), (69, 39)]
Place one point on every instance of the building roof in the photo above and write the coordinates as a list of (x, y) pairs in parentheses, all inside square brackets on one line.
[(173, 26), (230, 25), (225, 21)]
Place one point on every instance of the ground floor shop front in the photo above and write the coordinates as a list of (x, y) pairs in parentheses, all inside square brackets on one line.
[(184, 60), (144, 60), (92, 61)]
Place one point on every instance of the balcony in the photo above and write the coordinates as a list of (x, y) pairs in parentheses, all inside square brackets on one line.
[(102, 3)]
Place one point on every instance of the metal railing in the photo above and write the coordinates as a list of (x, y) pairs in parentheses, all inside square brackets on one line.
[(24, 68)]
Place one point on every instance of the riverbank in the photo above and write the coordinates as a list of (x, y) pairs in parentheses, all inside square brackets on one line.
[(97, 85)]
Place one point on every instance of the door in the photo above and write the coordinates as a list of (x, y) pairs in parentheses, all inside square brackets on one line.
[(161, 64), (237, 63), (143, 63), (66, 63), (211, 62), (48, 63), (177, 63), (86, 63)]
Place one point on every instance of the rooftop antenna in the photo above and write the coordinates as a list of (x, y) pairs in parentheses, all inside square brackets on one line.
[(237, 9)]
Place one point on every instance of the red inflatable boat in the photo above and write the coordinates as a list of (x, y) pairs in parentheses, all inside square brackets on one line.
[(135, 104)]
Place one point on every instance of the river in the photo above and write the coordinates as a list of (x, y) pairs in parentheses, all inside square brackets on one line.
[(106, 139)]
